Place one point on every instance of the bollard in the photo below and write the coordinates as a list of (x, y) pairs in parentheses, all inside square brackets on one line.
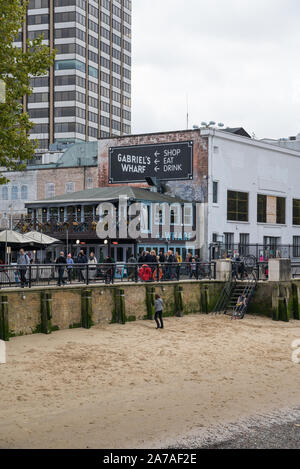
[(150, 302), (2, 352), (46, 313), (178, 303), (86, 309), (204, 300), (119, 312), (4, 328)]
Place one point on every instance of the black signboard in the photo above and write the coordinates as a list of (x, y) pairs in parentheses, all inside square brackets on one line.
[(167, 162)]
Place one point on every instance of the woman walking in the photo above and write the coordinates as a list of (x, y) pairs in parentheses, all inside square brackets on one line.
[(159, 305)]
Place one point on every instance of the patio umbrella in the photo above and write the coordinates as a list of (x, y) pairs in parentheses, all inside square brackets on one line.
[(39, 238), (11, 237)]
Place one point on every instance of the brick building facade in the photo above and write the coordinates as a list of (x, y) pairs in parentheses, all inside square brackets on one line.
[(194, 190)]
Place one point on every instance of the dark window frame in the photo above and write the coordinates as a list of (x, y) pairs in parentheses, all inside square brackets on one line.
[(237, 206)]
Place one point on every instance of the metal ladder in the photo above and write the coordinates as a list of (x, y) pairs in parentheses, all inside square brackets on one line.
[(231, 293)]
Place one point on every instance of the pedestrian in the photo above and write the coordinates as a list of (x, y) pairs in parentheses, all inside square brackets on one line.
[(162, 257), (142, 258), (194, 269), (153, 262), (70, 264), (178, 257), (131, 267), (171, 265), (23, 262), (81, 259), (109, 270), (92, 262), (159, 306), (61, 265)]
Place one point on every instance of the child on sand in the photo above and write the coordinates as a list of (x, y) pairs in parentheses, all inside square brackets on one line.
[(159, 305)]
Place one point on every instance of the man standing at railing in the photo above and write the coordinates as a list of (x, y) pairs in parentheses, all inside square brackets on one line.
[(61, 262), (81, 259), (23, 262)]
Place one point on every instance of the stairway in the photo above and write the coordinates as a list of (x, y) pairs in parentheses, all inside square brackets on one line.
[(233, 290)]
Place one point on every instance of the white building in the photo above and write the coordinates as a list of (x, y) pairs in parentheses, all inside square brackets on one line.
[(253, 196)]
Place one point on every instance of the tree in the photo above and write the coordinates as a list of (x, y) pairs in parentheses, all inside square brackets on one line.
[(16, 69)]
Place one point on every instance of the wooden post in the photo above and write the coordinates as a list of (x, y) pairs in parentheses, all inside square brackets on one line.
[(178, 303), (86, 309), (119, 313), (4, 328), (46, 313), (150, 302)]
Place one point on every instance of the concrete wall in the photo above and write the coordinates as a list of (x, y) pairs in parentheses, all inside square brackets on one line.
[(24, 306), (280, 300)]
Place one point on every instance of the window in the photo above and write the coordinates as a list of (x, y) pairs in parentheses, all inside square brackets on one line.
[(271, 244), (38, 98), (188, 215), (270, 209), (69, 65), (262, 208), (145, 218), (175, 214), (49, 190), (4, 193), (70, 187), (229, 242), (296, 246), (296, 212), (14, 193), (215, 192), (90, 183), (38, 19), (39, 82), (36, 4), (280, 210), (159, 214), (38, 113), (244, 244), (237, 206), (24, 192)]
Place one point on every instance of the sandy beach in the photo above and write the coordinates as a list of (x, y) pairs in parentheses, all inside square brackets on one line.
[(133, 386)]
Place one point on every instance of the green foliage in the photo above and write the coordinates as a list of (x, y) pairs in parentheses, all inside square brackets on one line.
[(16, 67)]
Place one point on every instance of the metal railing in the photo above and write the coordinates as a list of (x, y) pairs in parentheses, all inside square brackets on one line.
[(62, 274), (262, 252)]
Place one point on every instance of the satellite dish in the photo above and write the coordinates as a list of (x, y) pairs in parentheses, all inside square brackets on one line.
[(195, 127), (204, 124), (221, 124), (212, 123)]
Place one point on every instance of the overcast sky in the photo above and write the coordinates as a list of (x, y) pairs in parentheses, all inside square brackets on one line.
[(237, 60)]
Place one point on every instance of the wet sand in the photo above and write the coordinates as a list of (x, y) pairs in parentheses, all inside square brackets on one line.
[(133, 386)]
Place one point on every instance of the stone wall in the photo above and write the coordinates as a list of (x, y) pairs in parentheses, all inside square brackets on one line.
[(279, 300)]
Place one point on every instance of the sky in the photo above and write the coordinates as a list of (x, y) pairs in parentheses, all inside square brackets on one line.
[(233, 61)]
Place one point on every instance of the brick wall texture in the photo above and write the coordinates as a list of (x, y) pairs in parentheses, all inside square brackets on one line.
[(189, 190)]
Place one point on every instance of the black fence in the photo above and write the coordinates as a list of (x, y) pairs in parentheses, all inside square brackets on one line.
[(262, 252), (54, 274)]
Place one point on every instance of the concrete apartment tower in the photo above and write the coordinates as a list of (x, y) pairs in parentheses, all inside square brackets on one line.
[(87, 93)]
